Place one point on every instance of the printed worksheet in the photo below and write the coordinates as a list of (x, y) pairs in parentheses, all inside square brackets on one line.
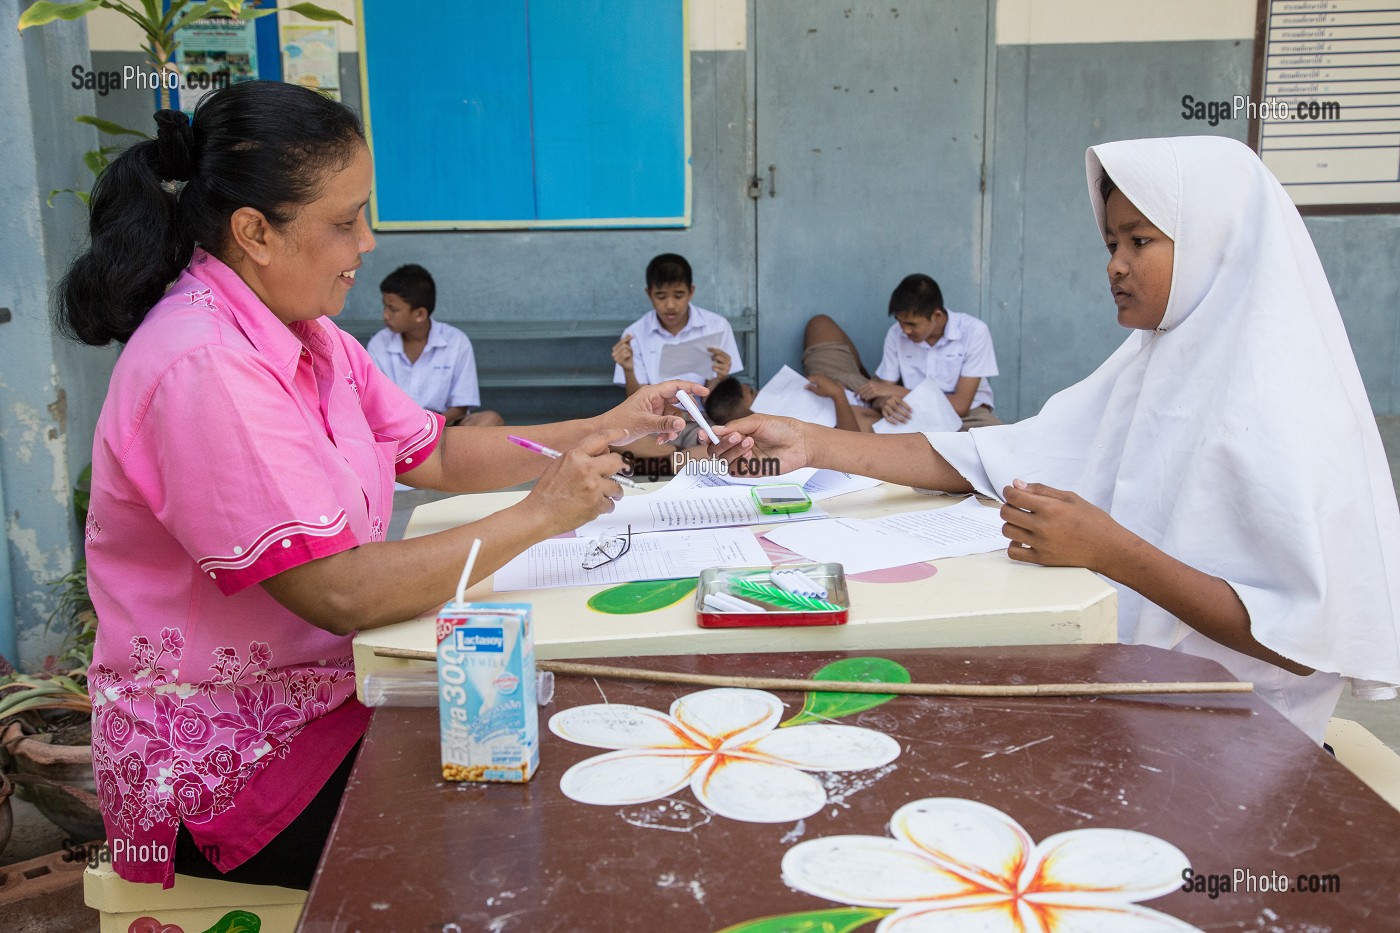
[(711, 507), (688, 356), (786, 394), (896, 540), (559, 561), (966, 528)]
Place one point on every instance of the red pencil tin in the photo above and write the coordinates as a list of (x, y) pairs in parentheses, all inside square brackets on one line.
[(724, 580)]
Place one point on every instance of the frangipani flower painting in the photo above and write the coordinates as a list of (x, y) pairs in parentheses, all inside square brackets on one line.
[(724, 744), (958, 866)]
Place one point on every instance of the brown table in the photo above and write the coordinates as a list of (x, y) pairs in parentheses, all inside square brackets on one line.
[(1224, 778)]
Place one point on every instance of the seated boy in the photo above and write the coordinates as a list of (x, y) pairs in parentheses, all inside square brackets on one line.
[(672, 320), (731, 400), (430, 360), (926, 341)]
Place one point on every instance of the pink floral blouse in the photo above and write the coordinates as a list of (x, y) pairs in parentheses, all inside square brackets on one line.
[(230, 448)]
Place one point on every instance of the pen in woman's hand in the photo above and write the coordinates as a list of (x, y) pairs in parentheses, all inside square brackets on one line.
[(555, 455)]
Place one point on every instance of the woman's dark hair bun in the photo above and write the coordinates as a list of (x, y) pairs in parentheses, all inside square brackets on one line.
[(174, 146), (264, 145)]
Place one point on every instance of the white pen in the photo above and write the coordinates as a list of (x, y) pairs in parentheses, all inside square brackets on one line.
[(689, 405)]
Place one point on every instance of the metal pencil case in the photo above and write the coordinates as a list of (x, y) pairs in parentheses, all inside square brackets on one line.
[(722, 579)]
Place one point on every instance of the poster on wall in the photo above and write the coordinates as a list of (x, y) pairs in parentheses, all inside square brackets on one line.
[(311, 57), (1325, 110), (215, 52)]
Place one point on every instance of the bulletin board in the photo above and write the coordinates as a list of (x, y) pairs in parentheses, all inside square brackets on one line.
[(1324, 113), (519, 114)]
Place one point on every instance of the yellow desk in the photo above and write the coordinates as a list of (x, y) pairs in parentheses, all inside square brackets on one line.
[(986, 599)]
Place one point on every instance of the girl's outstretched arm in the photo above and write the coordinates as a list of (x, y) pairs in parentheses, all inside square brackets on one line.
[(1057, 528)]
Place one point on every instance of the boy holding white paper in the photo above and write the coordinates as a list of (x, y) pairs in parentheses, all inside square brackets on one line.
[(674, 334)]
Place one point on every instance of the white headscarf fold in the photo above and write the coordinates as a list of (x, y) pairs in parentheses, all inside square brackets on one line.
[(1238, 438)]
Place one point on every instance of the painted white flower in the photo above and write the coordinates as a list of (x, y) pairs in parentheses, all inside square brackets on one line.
[(961, 866), (725, 744)]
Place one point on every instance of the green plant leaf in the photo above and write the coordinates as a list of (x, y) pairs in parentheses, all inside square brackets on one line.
[(80, 195), (95, 161), (320, 14), (832, 920), (44, 12), (110, 128), (820, 707), (644, 596), (237, 921)]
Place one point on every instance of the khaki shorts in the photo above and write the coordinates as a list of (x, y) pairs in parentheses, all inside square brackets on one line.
[(833, 359), (980, 417)]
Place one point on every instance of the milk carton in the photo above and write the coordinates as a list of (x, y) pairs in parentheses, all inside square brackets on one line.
[(486, 692)]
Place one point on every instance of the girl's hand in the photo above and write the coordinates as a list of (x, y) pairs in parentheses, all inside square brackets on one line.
[(1057, 528), (578, 487), (763, 436), (721, 362)]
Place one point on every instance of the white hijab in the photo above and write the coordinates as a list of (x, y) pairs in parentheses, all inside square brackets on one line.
[(1237, 437)]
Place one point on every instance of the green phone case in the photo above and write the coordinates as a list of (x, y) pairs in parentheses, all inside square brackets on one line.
[(781, 508)]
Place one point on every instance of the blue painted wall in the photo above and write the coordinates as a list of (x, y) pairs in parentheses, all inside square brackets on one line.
[(49, 389)]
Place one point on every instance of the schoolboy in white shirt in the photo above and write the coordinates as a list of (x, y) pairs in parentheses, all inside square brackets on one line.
[(927, 341), (431, 361), (672, 320)]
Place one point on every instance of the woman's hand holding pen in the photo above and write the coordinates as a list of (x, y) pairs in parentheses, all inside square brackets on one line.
[(763, 436), (577, 487), (652, 409)]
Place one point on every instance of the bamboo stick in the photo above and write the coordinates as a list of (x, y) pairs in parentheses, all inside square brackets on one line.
[(574, 669)]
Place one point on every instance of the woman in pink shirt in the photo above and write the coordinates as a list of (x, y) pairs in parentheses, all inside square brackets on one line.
[(243, 472)]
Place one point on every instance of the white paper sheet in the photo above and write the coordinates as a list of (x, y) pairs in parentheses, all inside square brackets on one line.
[(688, 356), (559, 561), (966, 528), (786, 394), (824, 484), (896, 540), (716, 507), (820, 484), (931, 411)]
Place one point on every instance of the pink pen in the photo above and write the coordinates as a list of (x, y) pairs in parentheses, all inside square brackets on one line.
[(555, 455)]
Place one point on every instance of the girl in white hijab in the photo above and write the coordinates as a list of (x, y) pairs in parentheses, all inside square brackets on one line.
[(1222, 468)]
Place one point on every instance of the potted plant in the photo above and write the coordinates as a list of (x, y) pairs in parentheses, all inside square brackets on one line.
[(46, 720)]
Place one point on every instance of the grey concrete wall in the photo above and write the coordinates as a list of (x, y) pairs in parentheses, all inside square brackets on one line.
[(49, 389), (1046, 295)]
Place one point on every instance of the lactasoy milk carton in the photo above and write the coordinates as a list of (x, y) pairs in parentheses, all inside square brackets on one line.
[(486, 692)]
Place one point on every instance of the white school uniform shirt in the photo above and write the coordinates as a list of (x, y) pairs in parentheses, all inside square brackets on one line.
[(648, 337), (444, 375), (965, 349), (1237, 437)]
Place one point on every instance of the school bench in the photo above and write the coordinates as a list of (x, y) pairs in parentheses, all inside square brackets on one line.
[(590, 363)]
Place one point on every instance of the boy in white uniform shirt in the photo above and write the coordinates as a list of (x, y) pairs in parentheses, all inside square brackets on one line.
[(930, 342), (431, 361), (672, 320), (926, 341)]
